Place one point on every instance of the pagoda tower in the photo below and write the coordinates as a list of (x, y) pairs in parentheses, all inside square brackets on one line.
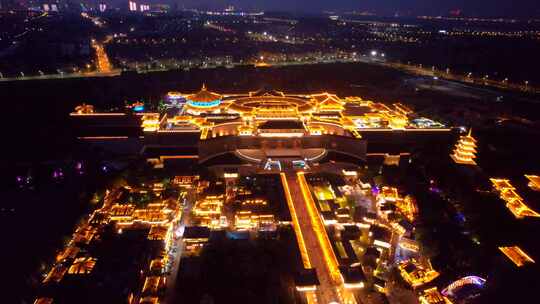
[(465, 150)]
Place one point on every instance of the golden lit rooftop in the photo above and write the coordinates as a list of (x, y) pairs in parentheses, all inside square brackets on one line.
[(417, 273), (149, 300), (56, 274), (158, 232), (43, 301), (389, 194), (408, 207), (84, 109), (534, 182), (464, 152), (514, 202), (82, 265), (433, 296), (516, 255), (204, 95), (156, 265), (501, 183), (153, 284), (69, 252)]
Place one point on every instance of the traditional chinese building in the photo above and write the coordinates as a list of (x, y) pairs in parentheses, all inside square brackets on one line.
[(465, 150), (206, 124)]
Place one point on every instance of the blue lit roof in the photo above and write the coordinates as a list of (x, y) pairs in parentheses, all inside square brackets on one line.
[(204, 104)]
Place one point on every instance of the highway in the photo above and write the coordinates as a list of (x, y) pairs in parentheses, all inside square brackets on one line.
[(467, 79), (312, 236)]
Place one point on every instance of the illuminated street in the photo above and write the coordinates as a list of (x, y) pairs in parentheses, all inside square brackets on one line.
[(319, 250), (102, 59), (177, 247)]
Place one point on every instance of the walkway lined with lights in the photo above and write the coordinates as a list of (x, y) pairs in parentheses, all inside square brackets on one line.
[(311, 235), (310, 295)]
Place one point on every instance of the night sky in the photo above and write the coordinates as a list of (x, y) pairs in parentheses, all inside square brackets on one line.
[(383, 7)]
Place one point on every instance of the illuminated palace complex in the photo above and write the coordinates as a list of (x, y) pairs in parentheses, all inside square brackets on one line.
[(260, 162), (293, 134), (269, 152), (257, 126)]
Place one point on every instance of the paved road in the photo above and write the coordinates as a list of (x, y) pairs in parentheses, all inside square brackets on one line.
[(327, 291), (118, 72), (473, 81), (179, 244), (112, 73)]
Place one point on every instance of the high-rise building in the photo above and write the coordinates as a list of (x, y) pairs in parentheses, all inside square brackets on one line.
[(132, 6)]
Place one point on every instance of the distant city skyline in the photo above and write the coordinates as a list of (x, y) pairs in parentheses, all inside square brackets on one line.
[(480, 8), (382, 7)]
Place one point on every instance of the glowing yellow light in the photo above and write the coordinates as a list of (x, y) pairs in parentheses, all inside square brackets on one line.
[(296, 224), (514, 202), (516, 255), (318, 227), (534, 181)]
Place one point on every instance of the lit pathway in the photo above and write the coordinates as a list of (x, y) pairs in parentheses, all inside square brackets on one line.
[(103, 63), (172, 277), (313, 240), (112, 73)]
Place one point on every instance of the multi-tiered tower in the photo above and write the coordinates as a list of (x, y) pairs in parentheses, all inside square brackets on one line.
[(465, 150)]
